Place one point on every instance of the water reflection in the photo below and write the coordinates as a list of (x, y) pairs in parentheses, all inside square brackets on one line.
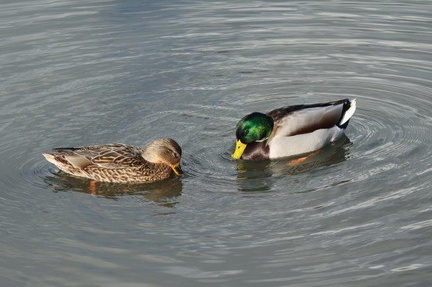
[(164, 193), (256, 175)]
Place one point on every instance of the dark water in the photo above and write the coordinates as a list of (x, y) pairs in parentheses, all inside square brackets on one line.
[(88, 72)]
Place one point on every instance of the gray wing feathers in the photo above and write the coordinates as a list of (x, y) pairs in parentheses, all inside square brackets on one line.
[(308, 120)]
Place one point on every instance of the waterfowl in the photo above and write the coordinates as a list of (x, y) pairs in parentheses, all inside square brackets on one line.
[(119, 162), (291, 130)]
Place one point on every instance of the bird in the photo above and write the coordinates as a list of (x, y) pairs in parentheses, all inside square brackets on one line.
[(120, 163), (291, 130)]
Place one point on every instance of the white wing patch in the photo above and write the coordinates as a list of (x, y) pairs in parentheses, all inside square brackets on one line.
[(78, 161)]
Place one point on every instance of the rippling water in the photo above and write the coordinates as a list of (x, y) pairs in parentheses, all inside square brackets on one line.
[(75, 73)]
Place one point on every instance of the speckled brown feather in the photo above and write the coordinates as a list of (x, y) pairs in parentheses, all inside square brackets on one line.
[(110, 163)]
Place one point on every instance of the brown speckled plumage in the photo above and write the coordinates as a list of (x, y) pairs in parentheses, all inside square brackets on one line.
[(119, 162)]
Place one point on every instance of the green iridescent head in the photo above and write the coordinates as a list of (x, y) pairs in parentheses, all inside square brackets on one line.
[(254, 127)]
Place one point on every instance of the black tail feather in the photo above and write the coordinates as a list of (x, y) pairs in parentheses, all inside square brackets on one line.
[(346, 107)]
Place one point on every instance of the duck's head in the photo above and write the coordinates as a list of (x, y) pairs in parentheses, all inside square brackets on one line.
[(255, 127), (166, 151)]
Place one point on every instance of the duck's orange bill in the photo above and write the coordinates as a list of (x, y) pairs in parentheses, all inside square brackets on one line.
[(177, 169)]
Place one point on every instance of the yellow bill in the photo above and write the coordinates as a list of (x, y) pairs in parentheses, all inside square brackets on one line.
[(177, 169), (239, 149)]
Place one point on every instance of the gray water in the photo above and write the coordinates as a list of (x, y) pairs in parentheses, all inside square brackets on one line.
[(87, 72)]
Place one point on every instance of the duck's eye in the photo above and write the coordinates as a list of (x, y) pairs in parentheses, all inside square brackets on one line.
[(245, 132)]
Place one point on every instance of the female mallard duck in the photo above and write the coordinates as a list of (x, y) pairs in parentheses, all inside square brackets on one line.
[(119, 162), (291, 130)]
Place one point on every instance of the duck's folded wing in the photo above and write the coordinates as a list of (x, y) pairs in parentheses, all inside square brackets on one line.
[(301, 119), (128, 157), (107, 156)]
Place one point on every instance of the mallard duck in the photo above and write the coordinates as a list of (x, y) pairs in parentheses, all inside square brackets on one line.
[(291, 130), (119, 162)]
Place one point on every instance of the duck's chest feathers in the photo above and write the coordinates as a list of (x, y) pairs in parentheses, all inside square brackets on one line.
[(256, 151)]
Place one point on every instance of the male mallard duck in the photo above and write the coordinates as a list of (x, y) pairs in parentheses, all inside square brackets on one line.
[(119, 162), (292, 130)]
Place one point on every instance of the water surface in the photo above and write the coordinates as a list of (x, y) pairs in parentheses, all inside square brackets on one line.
[(78, 73)]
